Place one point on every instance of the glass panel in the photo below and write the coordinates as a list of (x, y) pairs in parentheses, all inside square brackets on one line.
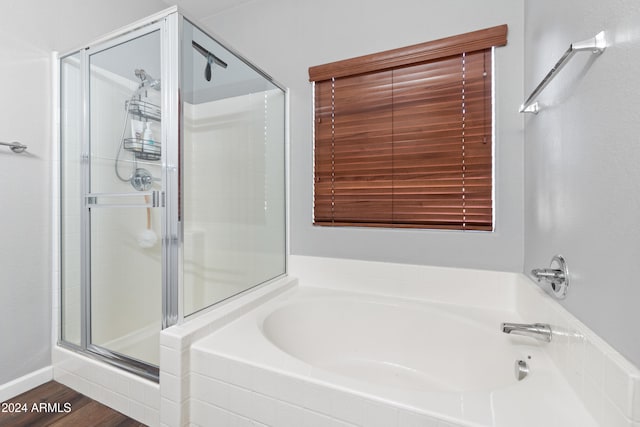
[(232, 175), (126, 282), (70, 197), (126, 253)]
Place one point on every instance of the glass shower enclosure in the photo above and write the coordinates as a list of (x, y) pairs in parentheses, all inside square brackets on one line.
[(172, 185)]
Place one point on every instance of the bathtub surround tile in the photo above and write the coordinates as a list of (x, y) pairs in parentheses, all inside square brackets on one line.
[(120, 390), (594, 363), (448, 424), (269, 383), (206, 414), (333, 402), (263, 409), (212, 391), (613, 417), (137, 410), (118, 384), (288, 415), (172, 385), (348, 407), (407, 281), (599, 375), (171, 339), (240, 400), (378, 415), (171, 358), (635, 411), (315, 404), (212, 366), (152, 415), (142, 393), (618, 386), (313, 419), (290, 389), (318, 398), (575, 357), (177, 359), (170, 412), (412, 419), (241, 374)]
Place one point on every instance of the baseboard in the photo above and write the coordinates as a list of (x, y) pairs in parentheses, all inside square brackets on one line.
[(25, 383)]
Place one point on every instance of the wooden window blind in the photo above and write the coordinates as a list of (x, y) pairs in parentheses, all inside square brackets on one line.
[(403, 138)]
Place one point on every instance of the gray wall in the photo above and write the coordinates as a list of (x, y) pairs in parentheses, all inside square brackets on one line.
[(582, 153), (285, 37), (29, 31)]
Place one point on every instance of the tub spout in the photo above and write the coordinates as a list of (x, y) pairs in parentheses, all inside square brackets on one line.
[(539, 331)]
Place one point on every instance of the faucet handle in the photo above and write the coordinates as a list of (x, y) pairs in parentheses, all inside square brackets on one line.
[(557, 275)]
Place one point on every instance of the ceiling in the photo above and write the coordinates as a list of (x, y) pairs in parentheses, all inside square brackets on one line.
[(202, 9)]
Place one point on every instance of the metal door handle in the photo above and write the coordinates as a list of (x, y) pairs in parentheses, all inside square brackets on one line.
[(156, 199)]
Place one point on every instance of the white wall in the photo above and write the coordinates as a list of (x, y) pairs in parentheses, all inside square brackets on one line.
[(29, 31), (285, 37), (582, 153)]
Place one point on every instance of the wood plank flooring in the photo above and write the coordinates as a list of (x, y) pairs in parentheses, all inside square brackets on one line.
[(55, 405)]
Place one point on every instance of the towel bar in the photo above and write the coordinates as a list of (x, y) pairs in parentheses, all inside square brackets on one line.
[(595, 45)]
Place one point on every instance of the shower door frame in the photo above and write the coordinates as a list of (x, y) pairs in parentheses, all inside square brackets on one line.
[(167, 23)]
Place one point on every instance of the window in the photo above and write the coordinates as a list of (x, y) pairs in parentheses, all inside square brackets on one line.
[(403, 138)]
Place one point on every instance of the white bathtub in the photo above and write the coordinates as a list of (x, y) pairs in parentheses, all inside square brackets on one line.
[(325, 357), (411, 346)]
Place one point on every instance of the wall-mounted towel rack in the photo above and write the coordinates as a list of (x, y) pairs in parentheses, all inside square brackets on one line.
[(15, 146), (595, 45)]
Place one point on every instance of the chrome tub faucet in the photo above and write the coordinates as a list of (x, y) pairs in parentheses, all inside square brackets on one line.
[(539, 331)]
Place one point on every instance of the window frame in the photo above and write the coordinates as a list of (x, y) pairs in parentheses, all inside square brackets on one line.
[(401, 58)]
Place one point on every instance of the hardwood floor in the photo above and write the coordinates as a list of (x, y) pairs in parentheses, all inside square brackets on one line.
[(53, 404)]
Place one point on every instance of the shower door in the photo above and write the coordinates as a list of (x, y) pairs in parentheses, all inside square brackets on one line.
[(124, 199)]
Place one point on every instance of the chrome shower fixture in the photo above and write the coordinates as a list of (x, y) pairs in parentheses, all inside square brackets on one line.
[(557, 276), (142, 180), (146, 80), (211, 58)]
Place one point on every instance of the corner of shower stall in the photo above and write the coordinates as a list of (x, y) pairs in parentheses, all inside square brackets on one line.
[(171, 199)]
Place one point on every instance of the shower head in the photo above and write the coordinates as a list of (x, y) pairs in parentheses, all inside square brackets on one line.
[(211, 59), (146, 80)]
